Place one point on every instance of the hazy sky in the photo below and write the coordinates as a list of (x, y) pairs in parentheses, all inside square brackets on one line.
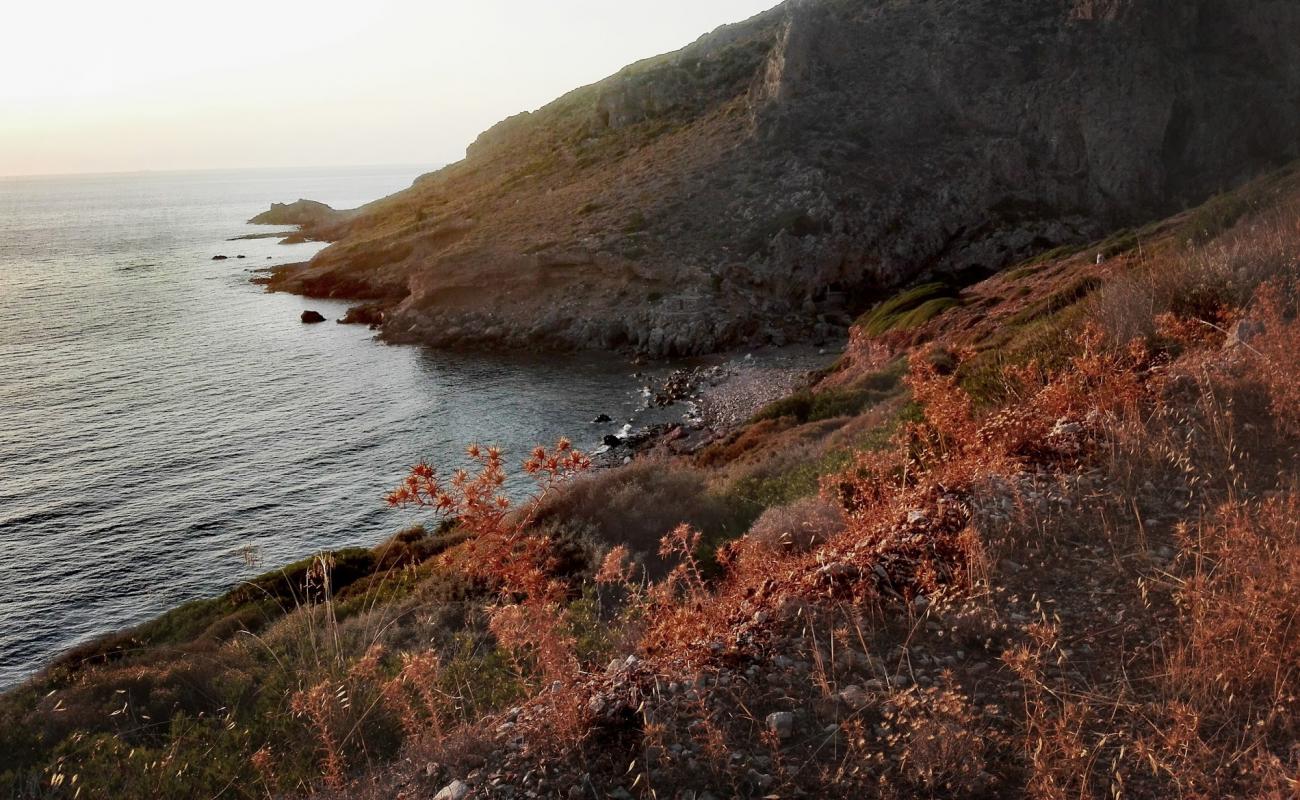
[(98, 86)]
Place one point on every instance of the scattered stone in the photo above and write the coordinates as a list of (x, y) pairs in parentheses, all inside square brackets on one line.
[(312, 317), (220, 258), (781, 723), (1244, 332), (456, 790), (602, 419), (1066, 428), (853, 696)]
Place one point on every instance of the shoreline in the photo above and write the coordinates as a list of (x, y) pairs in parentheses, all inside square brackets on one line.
[(718, 396), (684, 409)]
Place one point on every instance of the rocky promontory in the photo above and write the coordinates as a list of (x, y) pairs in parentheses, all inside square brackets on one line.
[(777, 176), (299, 212), (315, 221)]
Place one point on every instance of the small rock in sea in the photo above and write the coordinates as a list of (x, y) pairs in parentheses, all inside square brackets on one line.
[(220, 258), (611, 440), (456, 790), (601, 420), (312, 317), (240, 256), (781, 723)]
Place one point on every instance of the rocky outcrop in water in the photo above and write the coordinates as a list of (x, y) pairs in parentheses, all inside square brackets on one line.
[(314, 222), (777, 175), (299, 212)]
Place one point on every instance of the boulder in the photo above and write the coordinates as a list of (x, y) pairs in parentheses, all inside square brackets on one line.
[(854, 696), (456, 790), (781, 723), (312, 317)]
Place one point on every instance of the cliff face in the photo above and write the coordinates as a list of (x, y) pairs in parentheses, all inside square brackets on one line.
[(778, 173)]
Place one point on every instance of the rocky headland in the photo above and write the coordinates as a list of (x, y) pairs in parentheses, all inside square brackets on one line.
[(778, 175), (312, 221)]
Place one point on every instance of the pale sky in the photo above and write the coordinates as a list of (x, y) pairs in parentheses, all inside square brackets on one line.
[(126, 85)]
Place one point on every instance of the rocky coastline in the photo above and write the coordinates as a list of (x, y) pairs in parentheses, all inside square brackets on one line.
[(779, 176), (714, 398)]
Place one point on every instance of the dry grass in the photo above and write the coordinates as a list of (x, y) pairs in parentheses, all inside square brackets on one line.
[(798, 527), (636, 506), (1087, 588)]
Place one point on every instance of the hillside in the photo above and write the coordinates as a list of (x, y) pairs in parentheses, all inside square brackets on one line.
[(778, 176), (1032, 537)]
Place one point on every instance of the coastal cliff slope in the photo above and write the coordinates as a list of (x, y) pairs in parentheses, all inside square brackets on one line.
[(777, 175)]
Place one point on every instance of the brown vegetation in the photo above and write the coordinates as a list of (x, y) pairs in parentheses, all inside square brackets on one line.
[(1062, 561)]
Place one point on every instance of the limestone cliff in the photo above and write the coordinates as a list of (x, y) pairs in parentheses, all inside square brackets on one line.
[(762, 182)]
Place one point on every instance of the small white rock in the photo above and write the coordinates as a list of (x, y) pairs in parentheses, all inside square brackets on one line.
[(456, 790)]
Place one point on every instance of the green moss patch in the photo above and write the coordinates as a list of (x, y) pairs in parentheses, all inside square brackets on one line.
[(910, 309)]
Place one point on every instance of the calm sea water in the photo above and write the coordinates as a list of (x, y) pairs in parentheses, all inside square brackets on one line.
[(159, 414)]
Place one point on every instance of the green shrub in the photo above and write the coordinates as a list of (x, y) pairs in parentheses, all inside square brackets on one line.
[(810, 406), (1214, 217), (909, 309), (802, 478), (1058, 301), (637, 505), (1039, 262)]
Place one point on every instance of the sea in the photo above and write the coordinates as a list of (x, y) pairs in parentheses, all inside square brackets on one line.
[(168, 428)]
